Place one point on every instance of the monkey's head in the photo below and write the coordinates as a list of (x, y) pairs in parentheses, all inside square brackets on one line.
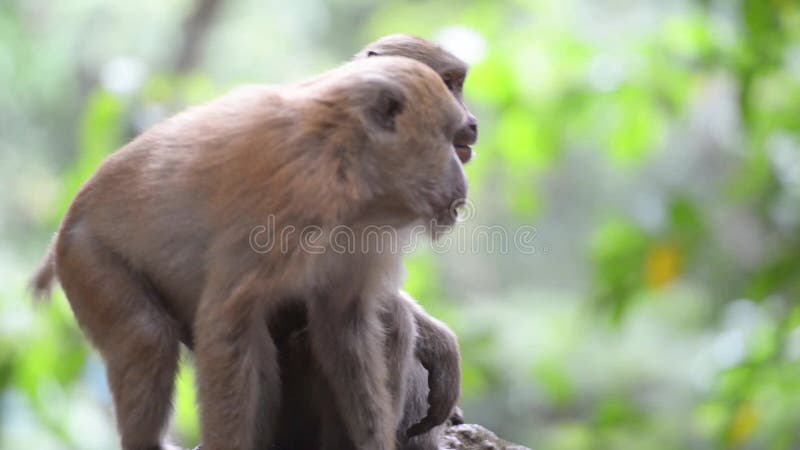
[(452, 70), (403, 122)]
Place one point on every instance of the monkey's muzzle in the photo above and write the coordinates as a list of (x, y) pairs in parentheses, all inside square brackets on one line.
[(464, 153), (466, 136)]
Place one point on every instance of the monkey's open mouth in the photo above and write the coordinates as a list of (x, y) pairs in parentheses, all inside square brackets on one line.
[(464, 153)]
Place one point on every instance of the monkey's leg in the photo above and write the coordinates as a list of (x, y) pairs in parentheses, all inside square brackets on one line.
[(302, 390), (308, 418), (401, 332), (137, 339), (237, 369), (333, 432), (347, 341), (416, 406)]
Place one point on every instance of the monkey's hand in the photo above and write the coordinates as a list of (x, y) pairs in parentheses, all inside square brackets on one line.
[(456, 418), (437, 351)]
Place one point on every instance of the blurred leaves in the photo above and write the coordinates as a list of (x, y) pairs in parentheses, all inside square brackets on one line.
[(635, 125), (101, 132), (186, 414), (618, 252), (662, 265)]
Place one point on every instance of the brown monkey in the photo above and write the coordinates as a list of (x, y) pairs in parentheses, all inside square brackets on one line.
[(436, 382), (161, 237)]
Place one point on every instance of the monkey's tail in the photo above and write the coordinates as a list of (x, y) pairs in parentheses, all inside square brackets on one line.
[(42, 282)]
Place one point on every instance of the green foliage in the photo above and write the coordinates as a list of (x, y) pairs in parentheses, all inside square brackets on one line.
[(100, 134)]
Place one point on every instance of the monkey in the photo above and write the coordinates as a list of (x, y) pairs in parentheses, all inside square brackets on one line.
[(434, 377), (159, 243), (438, 349), (308, 419)]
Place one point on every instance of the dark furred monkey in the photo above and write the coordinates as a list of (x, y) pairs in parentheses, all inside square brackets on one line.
[(433, 381), (436, 344), (309, 419), (161, 237), (452, 70)]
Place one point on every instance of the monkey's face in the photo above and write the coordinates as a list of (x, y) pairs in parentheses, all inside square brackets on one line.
[(454, 78), (413, 124), (452, 70), (449, 189)]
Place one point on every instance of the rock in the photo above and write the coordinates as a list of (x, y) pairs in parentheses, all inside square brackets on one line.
[(469, 437), (475, 437)]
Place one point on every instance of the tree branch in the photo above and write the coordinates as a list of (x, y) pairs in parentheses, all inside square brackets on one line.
[(195, 32)]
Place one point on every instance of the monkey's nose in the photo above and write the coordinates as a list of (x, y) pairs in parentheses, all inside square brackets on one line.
[(473, 129), (468, 135), (465, 137), (472, 124)]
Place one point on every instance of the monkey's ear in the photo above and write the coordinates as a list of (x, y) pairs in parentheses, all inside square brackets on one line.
[(371, 53), (387, 103)]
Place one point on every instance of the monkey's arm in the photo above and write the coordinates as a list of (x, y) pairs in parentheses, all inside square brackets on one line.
[(437, 350)]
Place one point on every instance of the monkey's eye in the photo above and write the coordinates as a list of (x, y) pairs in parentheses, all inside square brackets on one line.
[(448, 81), (454, 84)]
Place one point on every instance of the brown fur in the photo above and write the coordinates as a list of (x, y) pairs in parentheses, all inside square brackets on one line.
[(155, 248)]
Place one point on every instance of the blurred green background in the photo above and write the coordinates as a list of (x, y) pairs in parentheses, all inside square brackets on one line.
[(654, 146)]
